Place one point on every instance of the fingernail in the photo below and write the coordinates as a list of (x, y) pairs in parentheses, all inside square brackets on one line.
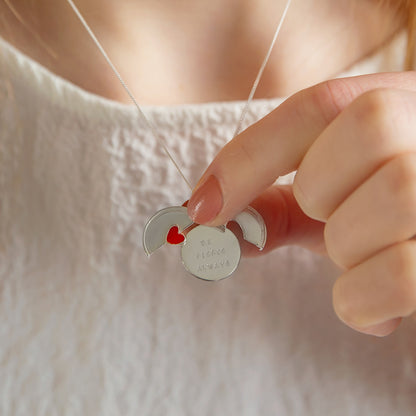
[(206, 202)]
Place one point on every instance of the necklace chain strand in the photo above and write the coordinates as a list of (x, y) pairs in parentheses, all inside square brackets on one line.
[(126, 88), (261, 70), (133, 99)]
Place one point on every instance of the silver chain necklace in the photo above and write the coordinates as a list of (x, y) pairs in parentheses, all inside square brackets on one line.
[(209, 253)]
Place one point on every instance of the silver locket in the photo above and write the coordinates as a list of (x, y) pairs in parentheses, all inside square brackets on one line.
[(209, 253)]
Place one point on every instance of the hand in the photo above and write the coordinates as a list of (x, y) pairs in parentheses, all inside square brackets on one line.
[(353, 144)]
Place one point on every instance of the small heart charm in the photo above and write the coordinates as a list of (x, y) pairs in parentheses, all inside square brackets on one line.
[(174, 236)]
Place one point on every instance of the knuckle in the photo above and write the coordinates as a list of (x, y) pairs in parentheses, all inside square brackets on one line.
[(373, 105), (308, 203), (403, 271), (377, 115), (401, 183), (244, 154), (403, 170), (342, 306), (329, 97), (249, 158), (246, 151), (336, 241)]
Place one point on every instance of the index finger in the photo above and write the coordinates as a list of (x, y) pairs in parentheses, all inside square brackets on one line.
[(276, 145)]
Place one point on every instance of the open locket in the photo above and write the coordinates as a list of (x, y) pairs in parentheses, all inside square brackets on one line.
[(209, 253)]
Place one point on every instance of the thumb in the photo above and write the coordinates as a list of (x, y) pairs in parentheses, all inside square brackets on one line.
[(286, 223)]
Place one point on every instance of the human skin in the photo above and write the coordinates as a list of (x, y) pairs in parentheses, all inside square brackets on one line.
[(210, 51), (352, 142), (196, 51)]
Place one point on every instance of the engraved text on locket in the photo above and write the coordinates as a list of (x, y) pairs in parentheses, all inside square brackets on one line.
[(209, 253)]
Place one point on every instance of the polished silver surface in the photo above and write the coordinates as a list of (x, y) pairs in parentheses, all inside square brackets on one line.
[(157, 228), (211, 253), (253, 227)]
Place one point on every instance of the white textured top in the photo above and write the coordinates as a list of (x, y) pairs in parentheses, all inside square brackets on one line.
[(90, 326)]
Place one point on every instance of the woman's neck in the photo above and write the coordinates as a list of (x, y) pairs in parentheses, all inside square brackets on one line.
[(200, 50)]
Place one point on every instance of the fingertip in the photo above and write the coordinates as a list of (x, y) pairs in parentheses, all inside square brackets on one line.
[(206, 201), (345, 308), (380, 330)]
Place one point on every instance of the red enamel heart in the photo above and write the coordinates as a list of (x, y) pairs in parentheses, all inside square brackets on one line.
[(174, 236)]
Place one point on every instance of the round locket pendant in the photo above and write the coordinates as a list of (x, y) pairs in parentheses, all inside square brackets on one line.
[(209, 253)]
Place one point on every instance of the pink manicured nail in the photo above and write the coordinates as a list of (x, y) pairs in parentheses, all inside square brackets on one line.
[(206, 202)]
